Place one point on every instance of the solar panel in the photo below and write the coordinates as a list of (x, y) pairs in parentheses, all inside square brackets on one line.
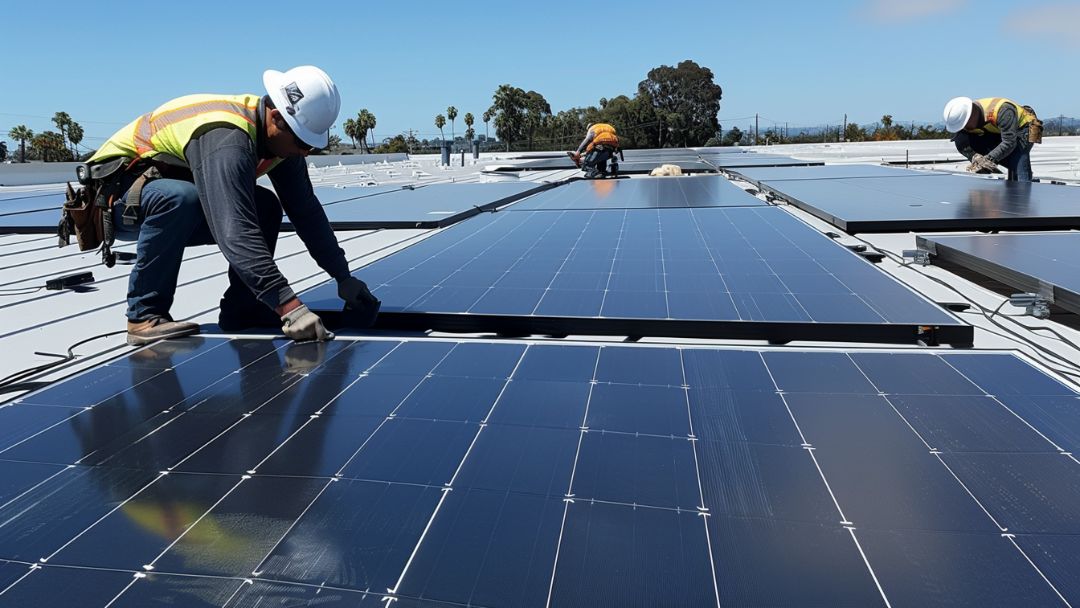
[(933, 202), (431, 206), (746, 272), (428, 206), (643, 193), (752, 159), (1044, 264), (630, 166), (346, 473), (757, 175)]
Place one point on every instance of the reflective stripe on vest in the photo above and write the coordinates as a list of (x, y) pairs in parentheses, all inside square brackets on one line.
[(603, 133), (991, 106), (170, 128)]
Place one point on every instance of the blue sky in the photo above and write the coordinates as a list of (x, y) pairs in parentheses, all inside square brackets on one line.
[(802, 62)]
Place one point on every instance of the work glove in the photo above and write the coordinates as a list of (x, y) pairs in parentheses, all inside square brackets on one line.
[(981, 164), (303, 325), (574, 156), (356, 294)]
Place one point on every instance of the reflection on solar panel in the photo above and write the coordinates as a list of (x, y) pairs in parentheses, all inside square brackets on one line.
[(1045, 264), (757, 175), (644, 193), (209, 472), (743, 272), (432, 206), (731, 161), (933, 202)]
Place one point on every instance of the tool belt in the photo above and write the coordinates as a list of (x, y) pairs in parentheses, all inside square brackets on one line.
[(1035, 127), (88, 209)]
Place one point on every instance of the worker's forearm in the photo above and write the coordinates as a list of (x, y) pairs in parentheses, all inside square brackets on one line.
[(293, 186)]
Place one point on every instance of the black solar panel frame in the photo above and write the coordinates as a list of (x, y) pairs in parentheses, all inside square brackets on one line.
[(929, 225), (1061, 296)]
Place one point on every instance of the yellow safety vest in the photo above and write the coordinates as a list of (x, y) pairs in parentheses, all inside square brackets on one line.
[(603, 133), (991, 106), (170, 128)]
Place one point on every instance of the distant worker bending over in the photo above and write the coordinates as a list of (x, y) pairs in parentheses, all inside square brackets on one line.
[(187, 177), (599, 146), (994, 131)]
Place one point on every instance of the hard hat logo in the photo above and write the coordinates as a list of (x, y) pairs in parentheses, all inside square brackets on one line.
[(294, 95)]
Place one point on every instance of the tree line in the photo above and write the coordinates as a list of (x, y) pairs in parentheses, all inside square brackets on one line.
[(673, 107), (49, 145)]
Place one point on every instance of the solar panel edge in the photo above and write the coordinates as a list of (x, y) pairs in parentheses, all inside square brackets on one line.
[(775, 332)]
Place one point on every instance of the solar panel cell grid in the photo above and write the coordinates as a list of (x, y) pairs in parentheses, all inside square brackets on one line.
[(734, 477)]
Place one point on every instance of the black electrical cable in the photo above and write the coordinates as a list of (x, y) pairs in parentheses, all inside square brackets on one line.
[(19, 377), (1016, 336)]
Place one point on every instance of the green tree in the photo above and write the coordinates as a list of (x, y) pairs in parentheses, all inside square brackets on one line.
[(75, 136), (733, 137), (349, 128), (21, 134), (50, 145), (3, 151), (451, 113), (62, 120), (469, 132), (440, 122), (537, 109), (686, 101), (392, 145), (508, 111), (853, 132), (486, 117)]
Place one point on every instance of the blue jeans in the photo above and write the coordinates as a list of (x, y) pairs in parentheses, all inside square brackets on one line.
[(1018, 163), (170, 218)]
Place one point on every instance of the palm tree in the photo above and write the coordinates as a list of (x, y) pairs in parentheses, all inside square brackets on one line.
[(365, 123), (486, 118), (62, 120), (75, 135), (469, 120), (349, 127), (21, 133), (440, 122), (451, 113)]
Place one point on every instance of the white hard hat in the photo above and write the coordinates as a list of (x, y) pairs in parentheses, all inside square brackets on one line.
[(307, 99), (957, 113)]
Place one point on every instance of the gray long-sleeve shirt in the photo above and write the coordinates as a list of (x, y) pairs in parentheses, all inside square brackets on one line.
[(223, 161), (1009, 123)]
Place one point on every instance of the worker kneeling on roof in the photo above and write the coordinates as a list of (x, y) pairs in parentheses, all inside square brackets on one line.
[(188, 178), (599, 145), (994, 131)]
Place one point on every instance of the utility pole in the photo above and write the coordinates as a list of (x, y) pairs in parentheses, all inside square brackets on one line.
[(1061, 125), (844, 132), (755, 129), (787, 133)]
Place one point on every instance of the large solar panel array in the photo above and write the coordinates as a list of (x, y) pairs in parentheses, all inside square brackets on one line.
[(644, 193), (738, 272), (211, 472), (932, 202), (1044, 264)]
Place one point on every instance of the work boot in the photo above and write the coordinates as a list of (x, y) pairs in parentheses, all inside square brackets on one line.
[(158, 328)]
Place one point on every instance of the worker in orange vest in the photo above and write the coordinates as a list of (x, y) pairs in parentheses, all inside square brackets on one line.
[(600, 145)]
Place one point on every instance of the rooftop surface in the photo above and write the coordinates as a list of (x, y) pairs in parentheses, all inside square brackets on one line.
[(511, 457)]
